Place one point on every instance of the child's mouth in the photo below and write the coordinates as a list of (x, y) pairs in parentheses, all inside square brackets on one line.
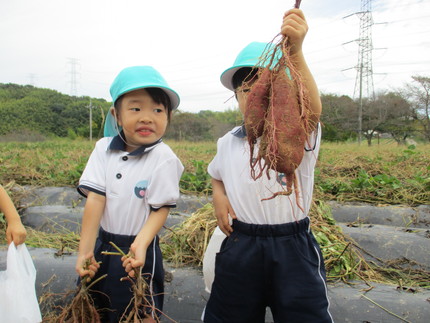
[(144, 132)]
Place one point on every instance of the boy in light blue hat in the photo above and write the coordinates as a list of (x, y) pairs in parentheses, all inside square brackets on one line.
[(269, 257), (131, 181)]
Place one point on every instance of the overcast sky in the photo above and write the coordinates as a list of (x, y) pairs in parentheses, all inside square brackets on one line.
[(191, 42)]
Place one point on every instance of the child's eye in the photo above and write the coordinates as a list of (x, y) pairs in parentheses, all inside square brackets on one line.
[(243, 90), (158, 110), (135, 109)]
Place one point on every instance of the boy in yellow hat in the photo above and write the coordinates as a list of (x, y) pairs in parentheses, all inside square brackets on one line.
[(269, 257), (131, 181)]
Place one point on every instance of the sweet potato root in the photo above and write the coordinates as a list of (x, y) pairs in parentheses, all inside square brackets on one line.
[(81, 309)]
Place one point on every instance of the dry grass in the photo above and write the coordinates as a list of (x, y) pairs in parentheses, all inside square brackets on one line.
[(185, 244)]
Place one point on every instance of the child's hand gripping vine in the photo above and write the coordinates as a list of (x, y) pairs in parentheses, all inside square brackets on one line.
[(139, 306), (134, 260), (82, 308), (86, 265)]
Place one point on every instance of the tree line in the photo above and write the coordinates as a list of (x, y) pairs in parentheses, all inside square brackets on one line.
[(400, 114)]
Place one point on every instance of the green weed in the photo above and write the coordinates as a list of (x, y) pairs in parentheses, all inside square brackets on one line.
[(198, 180)]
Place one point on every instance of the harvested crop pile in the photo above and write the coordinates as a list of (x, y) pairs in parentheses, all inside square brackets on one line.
[(186, 244)]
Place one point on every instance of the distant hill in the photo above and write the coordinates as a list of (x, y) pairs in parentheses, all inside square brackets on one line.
[(29, 113), (37, 111)]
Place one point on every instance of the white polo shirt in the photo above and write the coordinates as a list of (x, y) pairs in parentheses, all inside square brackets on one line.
[(231, 166), (133, 183)]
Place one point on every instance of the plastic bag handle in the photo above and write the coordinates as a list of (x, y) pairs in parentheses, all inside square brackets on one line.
[(19, 262)]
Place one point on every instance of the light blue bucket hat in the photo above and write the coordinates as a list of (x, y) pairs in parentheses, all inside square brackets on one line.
[(250, 56), (134, 78)]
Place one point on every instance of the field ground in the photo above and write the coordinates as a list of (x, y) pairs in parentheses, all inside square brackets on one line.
[(383, 173)]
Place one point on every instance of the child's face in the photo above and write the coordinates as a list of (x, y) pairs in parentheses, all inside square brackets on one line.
[(241, 95), (143, 121)]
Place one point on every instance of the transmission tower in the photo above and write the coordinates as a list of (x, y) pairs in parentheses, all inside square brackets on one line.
[(364, 79), (73, 76)]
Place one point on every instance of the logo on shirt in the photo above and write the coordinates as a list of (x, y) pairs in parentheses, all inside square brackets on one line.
[(140, 189), (282, 179)]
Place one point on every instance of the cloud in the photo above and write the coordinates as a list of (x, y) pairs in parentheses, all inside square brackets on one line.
[(191, 42)]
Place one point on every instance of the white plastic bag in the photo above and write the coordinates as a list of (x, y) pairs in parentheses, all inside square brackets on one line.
[(209, 258), (18, 301)]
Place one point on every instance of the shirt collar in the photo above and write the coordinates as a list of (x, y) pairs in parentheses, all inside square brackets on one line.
[(118, 143), (239, 132)]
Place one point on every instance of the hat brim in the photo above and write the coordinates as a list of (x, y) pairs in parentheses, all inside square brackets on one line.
[(253, 55), (173, 96), (227, 76)]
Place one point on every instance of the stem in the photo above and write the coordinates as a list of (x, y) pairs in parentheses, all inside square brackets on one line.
[(111, 253), (373, 302), (341, 254), (117, 248), (95, 281)]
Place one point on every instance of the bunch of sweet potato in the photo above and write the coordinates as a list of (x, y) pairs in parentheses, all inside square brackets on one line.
[(277, 111)]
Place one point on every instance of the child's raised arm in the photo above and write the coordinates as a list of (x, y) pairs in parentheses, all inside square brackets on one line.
[(295, 27), (15, 230)]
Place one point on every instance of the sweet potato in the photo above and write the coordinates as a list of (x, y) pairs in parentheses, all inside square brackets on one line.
[(284, 130), (285, 124), (257, 103)]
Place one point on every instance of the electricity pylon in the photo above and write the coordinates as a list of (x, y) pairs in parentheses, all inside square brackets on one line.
[(364, 79)]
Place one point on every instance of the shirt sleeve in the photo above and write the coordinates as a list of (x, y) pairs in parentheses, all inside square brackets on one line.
[(163, 189), (314, 139), (310, 157), (214, 166), (94, 176)]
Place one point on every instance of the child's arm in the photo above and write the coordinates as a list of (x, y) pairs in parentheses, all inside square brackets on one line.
[(222, 207), (15, 230), (93, 212), (153, 225), (295, 27)]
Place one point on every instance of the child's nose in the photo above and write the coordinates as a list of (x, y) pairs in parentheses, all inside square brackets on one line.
[(145, 117)]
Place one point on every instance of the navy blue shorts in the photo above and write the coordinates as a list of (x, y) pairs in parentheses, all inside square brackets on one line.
[(276, 266), (112, 296)]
